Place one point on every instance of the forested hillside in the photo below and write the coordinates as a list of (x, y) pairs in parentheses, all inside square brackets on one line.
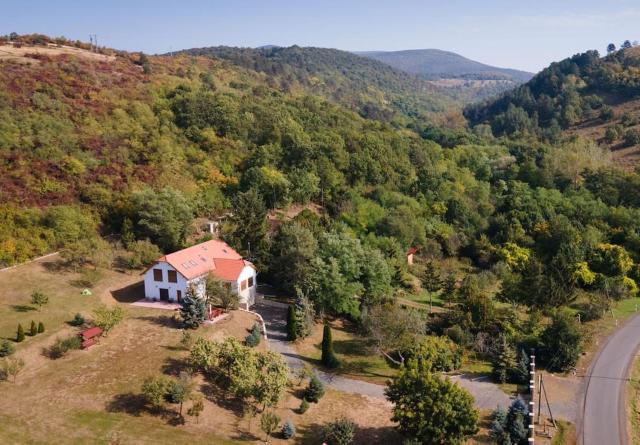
[(139, 146), (456, 76), (586, 95), (372, 88)]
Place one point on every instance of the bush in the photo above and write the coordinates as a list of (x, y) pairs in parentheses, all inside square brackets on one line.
[(33, 330), (78, 320), (315, 391), (339, 432), (143, 253), (631, 137), (6, 348), (20, 334), (40, 327), (253, 339), (304, 406), (288, 430), (64, 345), (562, 341)]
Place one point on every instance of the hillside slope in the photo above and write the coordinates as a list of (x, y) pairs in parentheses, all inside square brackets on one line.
[(585, 95), (372, 88), (460, 78)]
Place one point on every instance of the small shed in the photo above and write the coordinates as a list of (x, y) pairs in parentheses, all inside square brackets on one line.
[(410, 253)]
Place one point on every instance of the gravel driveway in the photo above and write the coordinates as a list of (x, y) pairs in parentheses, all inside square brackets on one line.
[(487, 395)]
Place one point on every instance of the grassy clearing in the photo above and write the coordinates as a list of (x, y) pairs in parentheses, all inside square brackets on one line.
[(356, 355), (566, 434), (633, 402)]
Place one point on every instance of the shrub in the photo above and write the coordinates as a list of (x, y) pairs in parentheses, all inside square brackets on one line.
[(6, 348), (315, 391), (106, 318), (20, 334), (269, 422), (253, 339), (562, 341), (631, 137), (288, 430), (40, 327), (78, 320), (329, 359), (33, 329), (339, 432), (155, 389), (143, 253), (39, 299), (64, 345), (304, 406)]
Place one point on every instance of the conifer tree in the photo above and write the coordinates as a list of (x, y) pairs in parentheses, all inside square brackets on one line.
[(328, 359), (292, 324), (504, 361), (40, 328), (20, 334), (193, 310), (33, 330)]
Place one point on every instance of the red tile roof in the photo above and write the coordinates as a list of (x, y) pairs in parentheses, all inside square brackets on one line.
[(211, 256)]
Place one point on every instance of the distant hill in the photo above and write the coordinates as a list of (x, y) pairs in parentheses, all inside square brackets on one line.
[(586, 95), (372, 88), (462, 78), (435, 63)]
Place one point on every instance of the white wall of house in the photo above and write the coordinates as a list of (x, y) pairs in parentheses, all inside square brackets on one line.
[(152, 288), (248, 295)]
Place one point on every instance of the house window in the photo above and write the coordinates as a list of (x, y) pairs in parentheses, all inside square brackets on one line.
[(172, 276), (250, 281), (243, 285), (157, 274)]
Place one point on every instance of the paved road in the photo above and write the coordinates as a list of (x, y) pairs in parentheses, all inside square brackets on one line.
[(487, 395), (604, 418)]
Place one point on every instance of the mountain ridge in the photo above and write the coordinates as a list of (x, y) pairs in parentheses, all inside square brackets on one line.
[(431, 62)]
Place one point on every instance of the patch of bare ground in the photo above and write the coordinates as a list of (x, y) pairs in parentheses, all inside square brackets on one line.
[(24, 53)]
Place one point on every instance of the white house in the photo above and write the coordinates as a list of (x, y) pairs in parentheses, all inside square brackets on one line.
[(171, 275)]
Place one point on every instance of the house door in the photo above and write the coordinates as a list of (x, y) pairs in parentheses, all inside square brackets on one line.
[(164, 294), (179, 295)]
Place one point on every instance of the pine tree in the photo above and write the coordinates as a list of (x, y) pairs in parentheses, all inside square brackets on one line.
[(504, 361), (521, 371), (328, 359), (292, 323), (33, 330), (20, 334), (40, 328), (193, 310)]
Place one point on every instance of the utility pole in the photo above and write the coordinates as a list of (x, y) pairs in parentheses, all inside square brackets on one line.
[(532, 393)]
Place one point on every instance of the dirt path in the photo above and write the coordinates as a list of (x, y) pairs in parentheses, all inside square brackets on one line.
[(487, 394)]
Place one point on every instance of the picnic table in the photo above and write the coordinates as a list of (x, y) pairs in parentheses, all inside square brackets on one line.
[(90, 336)]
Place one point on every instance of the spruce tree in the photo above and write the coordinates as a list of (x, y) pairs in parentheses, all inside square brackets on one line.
[(292, 324), (504, 362), (193, 310), (328, 359), (33, 330), (20, 334), (40, 328)]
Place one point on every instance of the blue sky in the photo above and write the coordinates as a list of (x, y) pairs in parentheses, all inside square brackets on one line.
[(511, 33)]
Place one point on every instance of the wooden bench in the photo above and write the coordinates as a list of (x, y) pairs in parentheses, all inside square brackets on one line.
[(90, 336)]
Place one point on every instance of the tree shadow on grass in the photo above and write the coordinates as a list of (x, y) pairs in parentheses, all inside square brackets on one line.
[(174, 366), (55, 266), (129, 403), (130, 293), (222, 398), (314, 433), (22, 308), (359, 347), (136, 404)]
